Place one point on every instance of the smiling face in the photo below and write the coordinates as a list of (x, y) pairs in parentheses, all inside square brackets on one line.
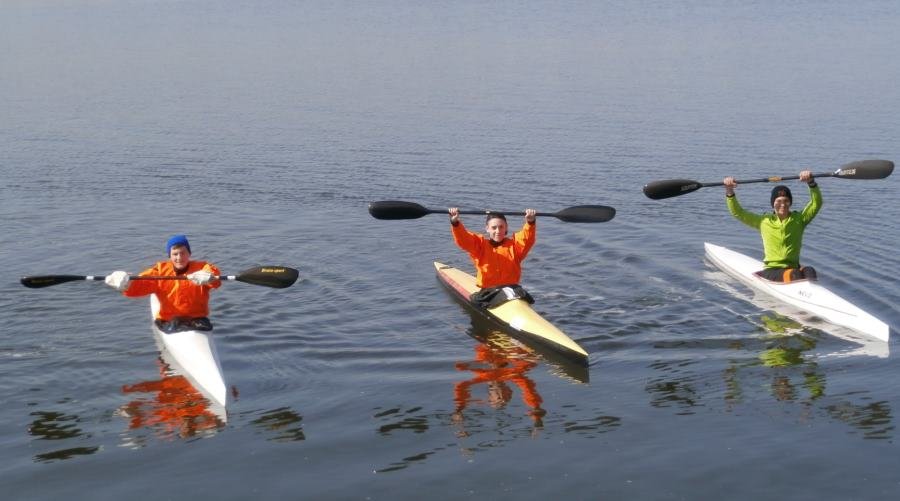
[(496, 229), (782, 206), (180, 257)]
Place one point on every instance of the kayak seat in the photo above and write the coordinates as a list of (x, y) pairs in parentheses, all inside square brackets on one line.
[(492, 297), (788, 275), (179, 324)]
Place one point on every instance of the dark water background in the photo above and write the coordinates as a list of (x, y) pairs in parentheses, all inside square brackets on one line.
[(263, 129)]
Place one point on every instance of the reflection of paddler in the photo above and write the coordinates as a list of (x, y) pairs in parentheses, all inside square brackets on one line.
[(177, 406), (780, 324), (781, 357), (494, 368)]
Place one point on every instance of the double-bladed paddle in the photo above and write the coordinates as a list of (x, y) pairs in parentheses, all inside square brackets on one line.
[(395, 209), (863, 169), (277, 277)]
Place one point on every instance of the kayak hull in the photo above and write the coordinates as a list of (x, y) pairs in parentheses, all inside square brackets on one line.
[(193, 354), (805, 295), (516, 317)]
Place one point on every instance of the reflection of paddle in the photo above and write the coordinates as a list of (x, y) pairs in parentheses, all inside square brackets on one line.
[(863, 169), (395, 209), (277, 277)]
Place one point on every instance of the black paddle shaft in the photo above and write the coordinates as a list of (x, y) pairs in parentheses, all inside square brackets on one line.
[(863, 169), (277, 277), (397, 209)]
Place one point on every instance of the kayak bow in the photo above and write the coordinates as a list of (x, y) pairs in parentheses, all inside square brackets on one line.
[(194, 356)]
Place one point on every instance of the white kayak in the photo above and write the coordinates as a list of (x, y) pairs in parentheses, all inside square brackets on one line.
[(808, 296), (194, 355)]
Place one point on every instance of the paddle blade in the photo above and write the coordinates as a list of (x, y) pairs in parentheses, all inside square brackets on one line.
[(658, 190), (866, 169), (277, 277), (586, 214), (396, 209), (48, 280)]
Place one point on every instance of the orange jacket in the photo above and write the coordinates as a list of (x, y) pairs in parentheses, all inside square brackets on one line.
[(496, 264), (177, 298)]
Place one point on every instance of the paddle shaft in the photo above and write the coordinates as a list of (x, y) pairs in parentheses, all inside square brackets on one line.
[(772, 179), (398, 209), (487, 211), (48, 280), (277, 277), (176, 277), (863, 169)]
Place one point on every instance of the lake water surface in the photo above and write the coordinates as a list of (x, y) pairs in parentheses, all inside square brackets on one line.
[(263, 129)]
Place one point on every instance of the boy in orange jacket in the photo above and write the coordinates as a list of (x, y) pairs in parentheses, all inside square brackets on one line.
[(497, 259), (179, 299)]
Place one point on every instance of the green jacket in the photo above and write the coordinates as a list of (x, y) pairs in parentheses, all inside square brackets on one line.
[(781, 239)]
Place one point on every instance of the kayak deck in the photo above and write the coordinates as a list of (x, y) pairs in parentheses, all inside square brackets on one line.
[(805, 295), (194, 356), (515, 316)]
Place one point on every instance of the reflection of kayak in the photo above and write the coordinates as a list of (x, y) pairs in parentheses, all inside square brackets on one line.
[(485, 331), (175, 408), (192, 353), (803, 294), (515, 316)]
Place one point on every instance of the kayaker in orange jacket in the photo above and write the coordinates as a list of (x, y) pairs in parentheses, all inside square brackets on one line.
[(178, 299), (497, 259)]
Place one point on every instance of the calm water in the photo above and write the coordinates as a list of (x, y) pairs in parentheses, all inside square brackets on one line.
[(262, 130)]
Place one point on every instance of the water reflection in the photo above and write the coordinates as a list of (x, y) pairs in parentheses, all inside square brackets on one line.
[(676, 389), (52, 425), (788, 351), (786, 319), (496, 369), (785, 363), (413, 419), (875, 420), (283, 423), (65, 454), (175, 409), (49, 425), (486, 333), (406, 420), (501, 365)]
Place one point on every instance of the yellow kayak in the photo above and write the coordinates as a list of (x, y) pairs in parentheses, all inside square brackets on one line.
[(515, 316)]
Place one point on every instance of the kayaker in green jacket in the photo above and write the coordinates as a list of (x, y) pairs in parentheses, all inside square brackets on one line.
[(781, 230)]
